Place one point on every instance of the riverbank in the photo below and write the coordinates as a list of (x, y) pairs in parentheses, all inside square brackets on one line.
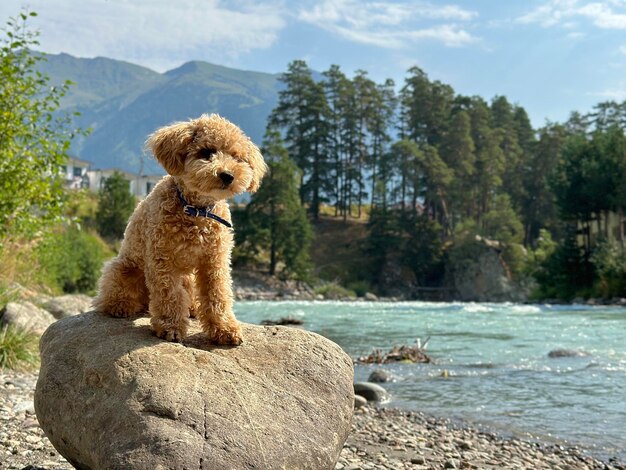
[(387, 438), (254, 286), (380, 439)]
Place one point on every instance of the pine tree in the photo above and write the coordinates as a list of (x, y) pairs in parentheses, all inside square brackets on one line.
[(489, 159), (302, 114), (426, 108), (506, 126), (458, 152), (380, 121), (337, 88), (538, 208), (277, 222)]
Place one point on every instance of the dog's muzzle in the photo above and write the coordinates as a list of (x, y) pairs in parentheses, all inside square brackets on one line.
[(226, 178)]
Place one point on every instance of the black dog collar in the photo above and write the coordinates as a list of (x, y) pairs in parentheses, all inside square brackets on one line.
[(205, 212)]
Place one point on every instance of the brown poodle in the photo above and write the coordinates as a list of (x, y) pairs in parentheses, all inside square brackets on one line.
[(175, 257)]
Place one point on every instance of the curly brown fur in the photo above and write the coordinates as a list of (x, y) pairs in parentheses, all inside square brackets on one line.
[(173, 264)]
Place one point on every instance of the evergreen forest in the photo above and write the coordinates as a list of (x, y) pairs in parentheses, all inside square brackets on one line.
[(427, 171)]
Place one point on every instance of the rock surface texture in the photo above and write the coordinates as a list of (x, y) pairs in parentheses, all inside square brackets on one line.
[(112, 395)]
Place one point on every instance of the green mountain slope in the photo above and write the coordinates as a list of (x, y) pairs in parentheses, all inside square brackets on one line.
[(122, 103)]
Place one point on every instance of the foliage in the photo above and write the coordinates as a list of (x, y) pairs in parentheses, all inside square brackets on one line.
[(422, 250), (516, 258), (276, 223), (116, 204), (18, 349), (72, 259), (609, 262), (302, 112), (83, 207), (538, 210), (334, 291), (19, 264), (34, 139), (545, 246), (415, 238), (501, 222), (360, 288), (566, 272)]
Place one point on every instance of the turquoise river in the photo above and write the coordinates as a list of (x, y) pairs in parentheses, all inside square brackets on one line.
[(496, 356)]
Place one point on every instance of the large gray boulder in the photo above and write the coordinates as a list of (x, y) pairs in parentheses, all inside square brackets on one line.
[(68, 305), (26, 316), (110, 394)]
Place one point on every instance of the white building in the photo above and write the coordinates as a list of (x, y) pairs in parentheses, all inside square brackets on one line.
[(139, 185), (143, 184), (75, 173)]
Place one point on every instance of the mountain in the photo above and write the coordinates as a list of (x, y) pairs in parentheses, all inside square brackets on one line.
[(123, 103)]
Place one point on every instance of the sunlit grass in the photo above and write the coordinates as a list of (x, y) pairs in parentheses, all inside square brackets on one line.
[(18, 349)]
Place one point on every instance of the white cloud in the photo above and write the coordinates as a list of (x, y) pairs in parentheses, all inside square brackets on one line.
[(390, 25), (157, 33), (616, 94), (610, 14)]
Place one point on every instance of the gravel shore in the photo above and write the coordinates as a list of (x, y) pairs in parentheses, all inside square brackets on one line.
[(380, 439)]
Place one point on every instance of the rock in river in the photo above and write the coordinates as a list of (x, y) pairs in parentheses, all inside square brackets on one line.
[(110, 394), (558, 353), (370, 391), (380, 376)]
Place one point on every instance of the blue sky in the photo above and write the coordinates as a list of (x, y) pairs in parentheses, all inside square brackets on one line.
[(549, 56)]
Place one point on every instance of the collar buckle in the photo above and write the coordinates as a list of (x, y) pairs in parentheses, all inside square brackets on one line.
[(194, 211), (191, 210)]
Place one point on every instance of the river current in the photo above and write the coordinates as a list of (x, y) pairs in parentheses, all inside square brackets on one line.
[(491, 363)]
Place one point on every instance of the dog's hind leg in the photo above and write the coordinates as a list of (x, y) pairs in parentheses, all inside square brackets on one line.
[(122, 289)]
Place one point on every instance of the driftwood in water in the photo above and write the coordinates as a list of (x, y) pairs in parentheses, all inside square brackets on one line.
[(285, 321), (402, 353)]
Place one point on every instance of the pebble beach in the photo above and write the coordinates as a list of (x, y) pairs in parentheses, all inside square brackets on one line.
[(381, 438)]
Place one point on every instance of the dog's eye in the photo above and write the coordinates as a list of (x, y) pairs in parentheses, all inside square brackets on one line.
[(206, 154)]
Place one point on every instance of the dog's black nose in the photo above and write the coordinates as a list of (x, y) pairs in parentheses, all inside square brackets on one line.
[(226, 178)]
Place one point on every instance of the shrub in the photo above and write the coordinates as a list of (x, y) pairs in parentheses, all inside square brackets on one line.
[(566, 272), (72, 259), (18, 349), (360, 288), (334, 291), (609, 263), (82, 205)]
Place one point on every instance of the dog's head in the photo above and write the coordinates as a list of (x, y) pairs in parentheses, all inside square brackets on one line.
[(210, 154)]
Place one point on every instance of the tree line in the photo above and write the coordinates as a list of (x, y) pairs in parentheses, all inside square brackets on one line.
[(427, 166)]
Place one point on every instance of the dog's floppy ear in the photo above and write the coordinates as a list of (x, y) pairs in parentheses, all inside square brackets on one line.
[(259, 168), (169, 145)]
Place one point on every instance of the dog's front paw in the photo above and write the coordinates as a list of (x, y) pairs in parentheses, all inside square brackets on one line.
[(169, 332), (118, 314), (226, 335), (194, 308)]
